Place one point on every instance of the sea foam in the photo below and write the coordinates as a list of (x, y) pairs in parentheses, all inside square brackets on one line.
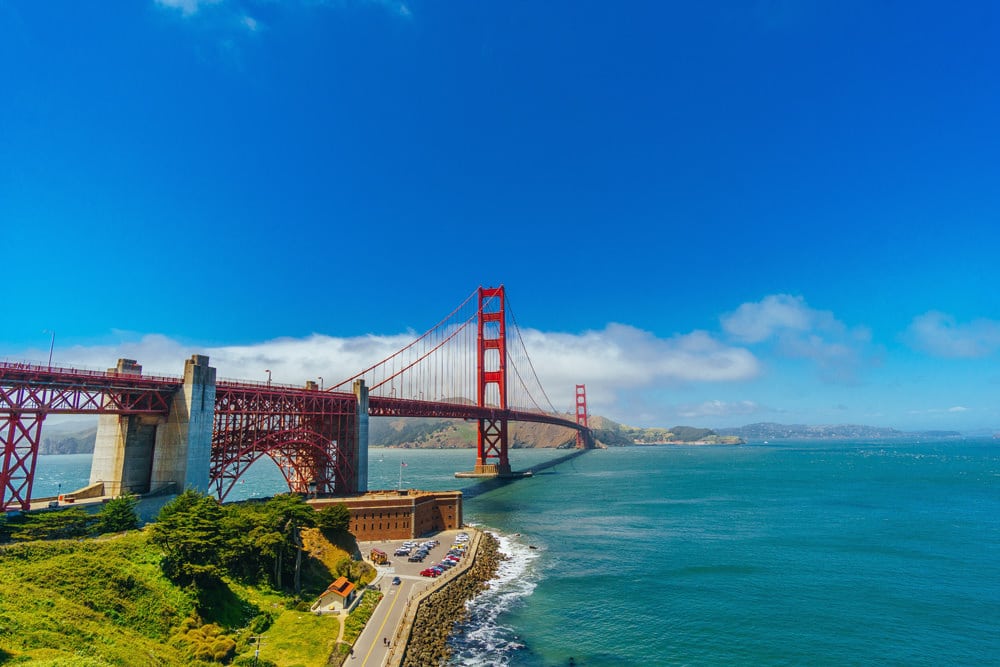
[(482, 639)]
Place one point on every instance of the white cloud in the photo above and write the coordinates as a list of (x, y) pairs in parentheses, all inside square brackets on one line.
[(290, 360), (718, 409), (612, 362), (755, 322), (192, 7), (186, 7), (799, 331), (622, 357), (394, 6), (938, 334), (957, 409)]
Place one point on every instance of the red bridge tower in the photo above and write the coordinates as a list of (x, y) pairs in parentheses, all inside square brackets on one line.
[(583, 438), (491, 441)]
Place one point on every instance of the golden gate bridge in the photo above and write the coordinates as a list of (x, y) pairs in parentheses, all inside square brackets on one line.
[(166, 433)]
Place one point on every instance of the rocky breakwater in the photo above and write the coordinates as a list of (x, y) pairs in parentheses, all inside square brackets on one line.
[(441, 610)]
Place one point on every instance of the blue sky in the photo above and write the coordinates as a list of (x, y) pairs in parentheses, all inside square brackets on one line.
[(710, 213)]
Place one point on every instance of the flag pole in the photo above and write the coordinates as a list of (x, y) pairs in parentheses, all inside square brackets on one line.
[(399, 487)]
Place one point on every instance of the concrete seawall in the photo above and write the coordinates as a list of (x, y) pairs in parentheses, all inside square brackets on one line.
[(409, 633)]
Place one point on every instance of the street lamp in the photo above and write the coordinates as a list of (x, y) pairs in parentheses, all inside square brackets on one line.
[(52, 345), (268, 371)]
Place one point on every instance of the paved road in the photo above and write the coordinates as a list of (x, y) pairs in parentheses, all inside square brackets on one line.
[(370, 650)]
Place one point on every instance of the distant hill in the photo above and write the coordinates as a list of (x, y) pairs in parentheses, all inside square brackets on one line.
[(773, 431), (68, 442), (456, 433), (426, 433), (613, 434)]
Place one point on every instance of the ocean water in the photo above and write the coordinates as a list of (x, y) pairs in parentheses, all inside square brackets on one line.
[(831, 553), (792, 554)]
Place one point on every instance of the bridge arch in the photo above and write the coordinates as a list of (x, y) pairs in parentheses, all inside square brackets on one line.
[(303, 456)]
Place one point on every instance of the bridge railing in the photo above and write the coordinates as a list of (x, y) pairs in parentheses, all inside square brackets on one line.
[(81, 372), (263, 384)]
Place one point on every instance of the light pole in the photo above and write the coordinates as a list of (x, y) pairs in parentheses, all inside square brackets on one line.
[(52, 345), (259, 639), (268, 371), (320, 382)]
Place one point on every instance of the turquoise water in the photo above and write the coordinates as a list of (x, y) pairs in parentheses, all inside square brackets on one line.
[(791, 554), (846, 553)]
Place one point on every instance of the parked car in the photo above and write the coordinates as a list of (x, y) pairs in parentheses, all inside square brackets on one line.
[(429, 572)]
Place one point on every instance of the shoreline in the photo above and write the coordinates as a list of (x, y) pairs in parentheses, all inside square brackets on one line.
[(431, 617)]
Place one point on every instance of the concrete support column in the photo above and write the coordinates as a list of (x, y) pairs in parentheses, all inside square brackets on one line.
[(361, 394), (183, 450), (123, 451)]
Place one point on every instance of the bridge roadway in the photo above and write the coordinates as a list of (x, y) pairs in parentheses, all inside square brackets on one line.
[(67, 390)]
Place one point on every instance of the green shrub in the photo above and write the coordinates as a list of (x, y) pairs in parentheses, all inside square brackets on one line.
[(205, 642), (356, 620), (260, 623), (118, 514)]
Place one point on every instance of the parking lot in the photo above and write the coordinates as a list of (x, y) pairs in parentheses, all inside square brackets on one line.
[(399, 565)]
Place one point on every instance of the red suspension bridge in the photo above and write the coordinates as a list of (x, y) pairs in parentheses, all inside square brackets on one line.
[(163, 433)]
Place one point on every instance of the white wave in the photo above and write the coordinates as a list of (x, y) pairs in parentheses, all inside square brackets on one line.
[(481, 639)]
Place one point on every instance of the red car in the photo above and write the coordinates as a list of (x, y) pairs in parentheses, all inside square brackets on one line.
[(429, 573)]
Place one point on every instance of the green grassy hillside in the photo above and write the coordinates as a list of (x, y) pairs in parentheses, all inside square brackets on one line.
[(107, 601), (89, 602)]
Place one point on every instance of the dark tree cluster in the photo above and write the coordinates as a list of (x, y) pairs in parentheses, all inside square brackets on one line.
[(115, 515), (259, 543)]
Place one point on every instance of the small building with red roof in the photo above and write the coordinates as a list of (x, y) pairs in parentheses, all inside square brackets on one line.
[(336, 598)]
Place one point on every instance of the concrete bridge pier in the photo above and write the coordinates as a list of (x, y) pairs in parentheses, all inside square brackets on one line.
[(123, 452), (141, 454), (183, 454), (361, 437)]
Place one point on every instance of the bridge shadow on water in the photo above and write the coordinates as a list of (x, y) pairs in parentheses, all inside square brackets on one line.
[(494, 483)]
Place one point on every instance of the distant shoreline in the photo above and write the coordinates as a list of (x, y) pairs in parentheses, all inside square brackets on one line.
[(692, 443)]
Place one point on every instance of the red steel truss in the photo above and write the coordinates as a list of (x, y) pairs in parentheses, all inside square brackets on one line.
[(491, 440), (311, 435), (21, 433), (30, 392)]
